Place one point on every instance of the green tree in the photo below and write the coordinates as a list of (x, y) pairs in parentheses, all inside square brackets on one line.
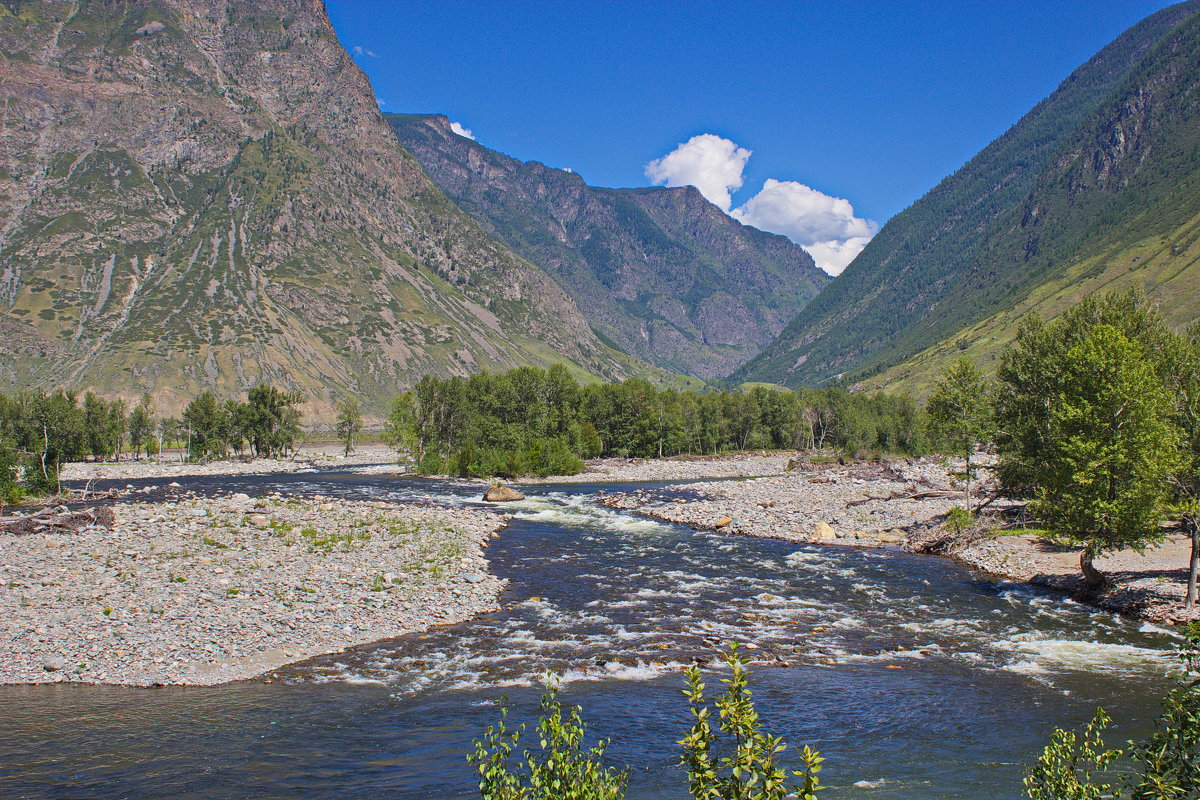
[(273, 421), (400, 430), (960, 412), (1187, 479), (99, 430), (11, 490), (203, 420), (53, 430), (141, 426), (749, 770), (1033, 367), (349, 422), (117, 425), (1110, 449)]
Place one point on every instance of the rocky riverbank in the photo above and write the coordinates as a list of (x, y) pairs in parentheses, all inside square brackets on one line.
[(862, 504), (677, 468), (307, 458), (1149, 585), (903, 503), (205, 591)]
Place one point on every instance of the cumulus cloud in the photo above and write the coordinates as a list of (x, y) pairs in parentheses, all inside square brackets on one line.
[(461, 131), (823, 225), (359, 50), (711, 164)]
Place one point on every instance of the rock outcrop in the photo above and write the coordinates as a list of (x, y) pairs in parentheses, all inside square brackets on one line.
[(204, 194), (662, 273)]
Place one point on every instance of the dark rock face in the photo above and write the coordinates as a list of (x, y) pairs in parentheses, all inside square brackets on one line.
[(662, 273), (203, 193)]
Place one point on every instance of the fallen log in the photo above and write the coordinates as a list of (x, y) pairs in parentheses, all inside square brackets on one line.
[(54, 521), (898, 496)]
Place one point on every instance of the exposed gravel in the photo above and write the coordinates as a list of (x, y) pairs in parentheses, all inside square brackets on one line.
[(822, 505), (809, 504), (1149, 586), (207, 591), (307, 458), (679, 468)]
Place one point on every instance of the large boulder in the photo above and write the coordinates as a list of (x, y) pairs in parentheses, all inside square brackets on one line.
[(502, 494), (824, 532)]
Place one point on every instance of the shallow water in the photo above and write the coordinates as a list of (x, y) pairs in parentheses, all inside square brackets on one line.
[(911, 674)]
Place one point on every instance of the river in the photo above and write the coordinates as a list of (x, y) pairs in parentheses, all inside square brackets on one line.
[(912, 675)]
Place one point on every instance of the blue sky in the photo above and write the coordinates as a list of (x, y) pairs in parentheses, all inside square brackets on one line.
[(873, 102)]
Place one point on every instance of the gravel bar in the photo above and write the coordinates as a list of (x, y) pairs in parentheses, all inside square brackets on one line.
[(207, 591)]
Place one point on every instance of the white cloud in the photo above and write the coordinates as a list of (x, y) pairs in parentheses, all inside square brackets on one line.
[(380, 101), (825, 226), (461, 131), (711, 164), (359, 50)]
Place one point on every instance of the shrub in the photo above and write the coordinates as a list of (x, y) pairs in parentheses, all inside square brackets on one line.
[(561, 770)]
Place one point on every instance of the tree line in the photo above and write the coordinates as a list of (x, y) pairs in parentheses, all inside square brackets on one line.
[(543, 422), (40, 431), (1096, 421)]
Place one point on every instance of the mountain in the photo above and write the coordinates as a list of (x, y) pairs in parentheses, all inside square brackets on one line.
[(660, 273), (1066, 201), (203, 193)]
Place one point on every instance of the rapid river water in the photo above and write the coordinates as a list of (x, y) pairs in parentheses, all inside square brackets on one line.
[(914, 676)]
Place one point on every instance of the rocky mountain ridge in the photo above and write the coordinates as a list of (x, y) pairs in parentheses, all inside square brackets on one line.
[(1005, 230), (660, 273), (204, 194)]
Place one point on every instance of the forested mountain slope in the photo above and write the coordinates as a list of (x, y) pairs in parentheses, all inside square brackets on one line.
[(1045, 197), (203, 193), (1119, 206), (661, 273)]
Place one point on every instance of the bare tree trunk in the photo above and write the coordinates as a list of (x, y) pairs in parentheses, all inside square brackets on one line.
[(1094, 577), (968, 482), (1194, 564)]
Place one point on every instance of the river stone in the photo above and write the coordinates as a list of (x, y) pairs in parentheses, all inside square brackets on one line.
[(824, 531), (502, 494), (723, 522), (54, 664), (473, 577)]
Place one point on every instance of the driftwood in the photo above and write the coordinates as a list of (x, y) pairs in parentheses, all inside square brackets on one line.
[(902, 496), (56, 521)]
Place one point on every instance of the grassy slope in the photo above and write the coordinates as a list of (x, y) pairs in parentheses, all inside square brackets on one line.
[(892, 301)]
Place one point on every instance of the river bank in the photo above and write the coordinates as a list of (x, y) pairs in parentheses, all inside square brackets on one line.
[(903, 503), (1150, 586), (308, 457), (863, 504), (206, 591), (675, 468)]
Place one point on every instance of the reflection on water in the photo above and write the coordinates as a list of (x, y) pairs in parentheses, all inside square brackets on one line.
[(911, 674)]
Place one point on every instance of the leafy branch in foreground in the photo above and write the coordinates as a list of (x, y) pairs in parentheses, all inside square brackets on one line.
[(562, 770), (752, 771), (1075, 768)]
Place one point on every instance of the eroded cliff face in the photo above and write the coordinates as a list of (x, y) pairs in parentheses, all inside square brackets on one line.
[(662, 273), (203, 193)]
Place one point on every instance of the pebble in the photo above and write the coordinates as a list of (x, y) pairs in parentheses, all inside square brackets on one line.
[(195, 592)]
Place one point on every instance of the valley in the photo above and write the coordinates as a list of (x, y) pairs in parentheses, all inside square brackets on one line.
[(328, 428)]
